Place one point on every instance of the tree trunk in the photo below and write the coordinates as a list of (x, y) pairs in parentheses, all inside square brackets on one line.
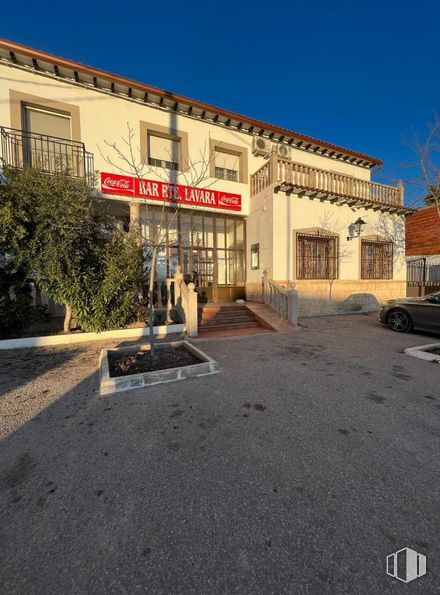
[(151, 299), (67, 319)]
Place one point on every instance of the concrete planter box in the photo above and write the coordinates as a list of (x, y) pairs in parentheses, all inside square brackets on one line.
[(117, 384), (425, 352)]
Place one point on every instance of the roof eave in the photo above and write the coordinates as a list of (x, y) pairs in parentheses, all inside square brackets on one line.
[(166, 99)]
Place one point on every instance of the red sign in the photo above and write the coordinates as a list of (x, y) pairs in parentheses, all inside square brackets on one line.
[(172, 193)]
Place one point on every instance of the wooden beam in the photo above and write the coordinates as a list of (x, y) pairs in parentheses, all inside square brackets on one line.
[(203, 114), (239, 125), (228, 121), (282, 137), (261, 132), (216, 117), (130, 91), (95, 81), (13, 57), (56, 70), (190, 110), (145, 97), (250, 129), (76, 75), (175, 106), (161, 101), (35, 64), (271, 135), (113, 87)]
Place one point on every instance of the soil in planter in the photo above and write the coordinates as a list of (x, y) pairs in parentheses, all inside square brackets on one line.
[(124, 364)]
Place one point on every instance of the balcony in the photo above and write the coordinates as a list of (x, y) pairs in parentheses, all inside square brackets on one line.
[(50, 154), (308, 181)]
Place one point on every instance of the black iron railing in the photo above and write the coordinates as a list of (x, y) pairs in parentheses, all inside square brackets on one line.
[(50, 154)]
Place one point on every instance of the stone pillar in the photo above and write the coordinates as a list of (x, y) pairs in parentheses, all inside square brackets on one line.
[(135, 216), (191, 312), (292, 306)]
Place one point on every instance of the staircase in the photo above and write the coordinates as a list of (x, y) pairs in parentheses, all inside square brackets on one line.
[(227, 319)]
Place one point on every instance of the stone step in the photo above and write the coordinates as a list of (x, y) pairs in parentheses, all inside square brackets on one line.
[(235, 325), (225, 315), (225, 321), (222, 310)]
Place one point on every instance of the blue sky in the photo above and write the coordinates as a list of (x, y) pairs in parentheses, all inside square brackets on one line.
[(362, 75)]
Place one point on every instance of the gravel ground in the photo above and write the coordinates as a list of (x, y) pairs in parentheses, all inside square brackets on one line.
[(296, 469)]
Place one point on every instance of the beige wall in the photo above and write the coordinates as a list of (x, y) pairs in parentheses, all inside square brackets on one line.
[(273, 222), (317, 298), (292, 213), (104, 117)]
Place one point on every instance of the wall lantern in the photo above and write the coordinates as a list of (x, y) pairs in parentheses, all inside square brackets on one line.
[(355, 229)]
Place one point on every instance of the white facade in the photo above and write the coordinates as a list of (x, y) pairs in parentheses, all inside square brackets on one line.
[(102, 109)]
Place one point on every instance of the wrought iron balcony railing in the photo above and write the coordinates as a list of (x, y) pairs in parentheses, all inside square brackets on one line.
[(295, 177), (50, 154)]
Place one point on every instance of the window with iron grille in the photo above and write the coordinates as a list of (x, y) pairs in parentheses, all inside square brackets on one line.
[(316, 256), (376, 259)]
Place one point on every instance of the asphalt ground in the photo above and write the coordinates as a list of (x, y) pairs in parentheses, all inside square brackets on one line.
[(297, 468)]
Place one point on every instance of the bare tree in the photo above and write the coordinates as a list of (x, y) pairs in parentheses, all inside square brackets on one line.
[(127, 158), (429, 161), (329, 223), (392, 228)]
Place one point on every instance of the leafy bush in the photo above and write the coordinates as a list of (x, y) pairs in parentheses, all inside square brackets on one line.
[(54, 230)]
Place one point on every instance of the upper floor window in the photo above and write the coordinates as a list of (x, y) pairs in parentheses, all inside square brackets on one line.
[(50, 123), (228, 161), (316, 256), (227, 166), (164, 152), (376, 259)]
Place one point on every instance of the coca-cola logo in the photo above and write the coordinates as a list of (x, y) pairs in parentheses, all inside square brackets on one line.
[(116, 183), (229, 200)]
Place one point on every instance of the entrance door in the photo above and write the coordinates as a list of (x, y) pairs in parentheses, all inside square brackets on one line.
[(203, 272)]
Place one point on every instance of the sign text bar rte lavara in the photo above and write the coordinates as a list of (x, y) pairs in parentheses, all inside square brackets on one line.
[(172, 193)]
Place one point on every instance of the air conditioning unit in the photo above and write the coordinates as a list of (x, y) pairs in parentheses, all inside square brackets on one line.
[(261, 146), (283, 151)]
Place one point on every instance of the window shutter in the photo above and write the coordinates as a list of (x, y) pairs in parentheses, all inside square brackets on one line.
[(163, 149), (227, 161), (48, 123)]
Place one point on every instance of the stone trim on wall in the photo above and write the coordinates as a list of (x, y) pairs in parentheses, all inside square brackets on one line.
[(165, 132), (320, 297), (19, 99)]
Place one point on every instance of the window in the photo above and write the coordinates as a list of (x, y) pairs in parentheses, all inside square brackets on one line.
[(317, 256), (227, 166), (228, 161), (163, 152), (376, 259), (255, 256), (49, 123), (49, 154)]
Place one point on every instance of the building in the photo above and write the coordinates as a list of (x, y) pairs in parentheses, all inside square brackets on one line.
[(423, 248), (254, 197)]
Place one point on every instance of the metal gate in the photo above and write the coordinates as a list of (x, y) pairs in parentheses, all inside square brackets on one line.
[(422, 277)]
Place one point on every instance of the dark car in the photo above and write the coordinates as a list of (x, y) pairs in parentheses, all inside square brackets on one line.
[(422, 314)]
